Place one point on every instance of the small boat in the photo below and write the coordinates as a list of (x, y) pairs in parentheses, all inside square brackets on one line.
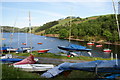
[(5, 60), (34, 67), (7, 49), (26, 48), (74, 47), (6, 56), (99, 45), (28, 64), (39, 43), (107, 50), (12, 49), (23, 43), (90, 43), (43, 50)]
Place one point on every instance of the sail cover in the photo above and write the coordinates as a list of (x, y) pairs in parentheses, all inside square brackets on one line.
[(101, 65), (28, 60), (76, 46)]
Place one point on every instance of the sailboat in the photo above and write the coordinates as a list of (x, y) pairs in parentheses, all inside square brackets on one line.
[(27, 47)]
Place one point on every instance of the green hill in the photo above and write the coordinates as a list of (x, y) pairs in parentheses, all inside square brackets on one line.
[(91, 28)]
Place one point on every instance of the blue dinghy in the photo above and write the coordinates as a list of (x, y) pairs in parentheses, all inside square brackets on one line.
[(74, 47), (10, 60)]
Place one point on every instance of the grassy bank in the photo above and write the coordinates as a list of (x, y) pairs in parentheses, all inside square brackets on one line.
[(51, 55), (11, 73)]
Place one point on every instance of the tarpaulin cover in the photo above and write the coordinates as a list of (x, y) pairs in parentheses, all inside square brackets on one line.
[(101, 65), (28, 60)]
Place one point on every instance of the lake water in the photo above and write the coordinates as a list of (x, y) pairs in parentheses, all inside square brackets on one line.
[(52, 43)]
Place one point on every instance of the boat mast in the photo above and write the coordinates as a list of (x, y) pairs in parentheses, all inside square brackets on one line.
[(116, 17), (70, 29), (1, 39), (30, 30), (70, 22)]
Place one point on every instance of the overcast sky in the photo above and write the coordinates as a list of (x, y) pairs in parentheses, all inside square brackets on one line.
[(43, 11)]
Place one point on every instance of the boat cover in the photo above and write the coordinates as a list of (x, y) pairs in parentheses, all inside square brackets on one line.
[(76, 46), (11, 60), (99, 65), (28, 60), (5, 48)]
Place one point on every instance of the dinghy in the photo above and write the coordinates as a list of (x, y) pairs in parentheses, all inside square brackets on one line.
[(34, 67), (39, 43), (28, 64), (98, 45), (74, 47), (107, 50), (90, 43), (43, 50)]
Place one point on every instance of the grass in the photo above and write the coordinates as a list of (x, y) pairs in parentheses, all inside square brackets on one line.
[(51, 55), (11, 72)]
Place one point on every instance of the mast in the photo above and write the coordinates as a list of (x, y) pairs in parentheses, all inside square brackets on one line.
[(1, 40), (70, 29), (30, 30), (116, 17), (70, 22)]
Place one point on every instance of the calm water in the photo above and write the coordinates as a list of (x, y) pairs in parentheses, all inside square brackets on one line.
[(52, 43)]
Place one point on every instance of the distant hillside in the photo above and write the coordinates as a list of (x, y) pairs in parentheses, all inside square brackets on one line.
[(91, 28), (9, 29), (16, 29)]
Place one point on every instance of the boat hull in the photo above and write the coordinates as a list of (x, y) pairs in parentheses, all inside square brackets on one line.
[(43, 51), (72, 49), (34, 67)]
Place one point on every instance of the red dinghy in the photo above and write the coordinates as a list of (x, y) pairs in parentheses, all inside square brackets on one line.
[(23, 43), (90, 43), (28, 60), (39, 43), (43, 50), (98, 45), (107, 50)]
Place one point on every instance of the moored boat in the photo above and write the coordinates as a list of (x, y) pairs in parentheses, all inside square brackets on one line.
[(26, 48), (90, 43), (107, 50), (39, 43), (43, 50), (99, 45), (74, 47), (23, 43)]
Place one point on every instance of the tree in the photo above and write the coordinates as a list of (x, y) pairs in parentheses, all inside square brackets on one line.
[(63, 33)]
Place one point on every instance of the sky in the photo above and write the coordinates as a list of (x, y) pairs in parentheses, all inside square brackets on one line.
[(16, 13)]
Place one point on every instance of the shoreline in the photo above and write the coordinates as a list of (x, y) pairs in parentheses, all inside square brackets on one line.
[(99, 42)]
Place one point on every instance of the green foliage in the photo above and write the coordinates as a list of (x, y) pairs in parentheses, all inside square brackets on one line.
[(63, 33), (46, 26), (102, 26), (9, 72)]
